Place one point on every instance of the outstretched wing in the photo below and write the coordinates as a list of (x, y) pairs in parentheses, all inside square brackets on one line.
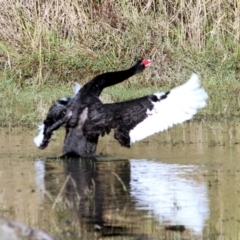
[(54, 115), (140, 118)]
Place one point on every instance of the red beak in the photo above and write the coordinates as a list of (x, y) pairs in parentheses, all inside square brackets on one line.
[(146, 62)]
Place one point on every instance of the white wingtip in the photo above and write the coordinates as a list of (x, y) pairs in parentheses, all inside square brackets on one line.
[(76, 88), (39, 138), (180, 105)]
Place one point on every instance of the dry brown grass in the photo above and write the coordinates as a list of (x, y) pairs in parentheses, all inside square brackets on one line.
[(43, 38)]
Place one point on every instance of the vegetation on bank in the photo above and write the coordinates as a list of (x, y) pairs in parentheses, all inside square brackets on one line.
[(46, 46)]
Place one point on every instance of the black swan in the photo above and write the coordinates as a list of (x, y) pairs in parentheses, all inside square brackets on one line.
[(131, 120), (64, 108)]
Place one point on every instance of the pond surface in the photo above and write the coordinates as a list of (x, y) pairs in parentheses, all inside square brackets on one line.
[(181, 184)]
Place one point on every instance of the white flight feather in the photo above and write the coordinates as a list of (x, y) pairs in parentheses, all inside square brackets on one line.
[(76, 88), (39, 138), (179, 106)]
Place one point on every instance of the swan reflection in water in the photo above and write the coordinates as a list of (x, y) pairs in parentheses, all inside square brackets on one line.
[(170, 193)]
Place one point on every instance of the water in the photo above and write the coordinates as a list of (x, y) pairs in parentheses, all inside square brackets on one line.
[(180, 184)]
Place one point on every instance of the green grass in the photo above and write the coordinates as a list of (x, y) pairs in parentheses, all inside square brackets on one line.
[(47, 46), (29, 105)]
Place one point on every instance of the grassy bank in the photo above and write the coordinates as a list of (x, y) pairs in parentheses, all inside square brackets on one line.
[(46, 46)]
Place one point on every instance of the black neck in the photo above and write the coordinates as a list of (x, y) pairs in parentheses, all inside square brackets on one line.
[(98, 83)]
